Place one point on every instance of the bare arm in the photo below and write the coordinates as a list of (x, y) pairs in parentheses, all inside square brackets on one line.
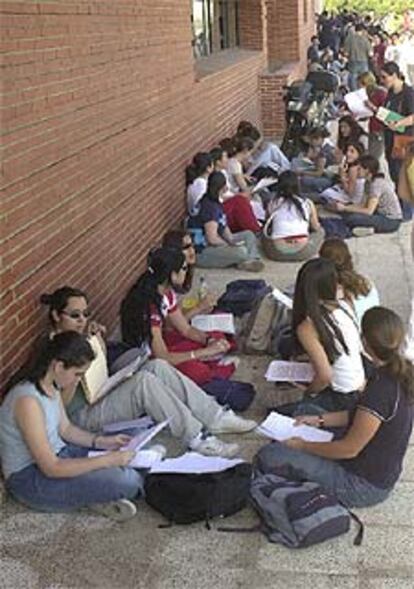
[(368, 209), (309, 339), (30, 420), (160, 350), (212, 236), (181, 324), (361, 432), (314, 219), (348, 180)]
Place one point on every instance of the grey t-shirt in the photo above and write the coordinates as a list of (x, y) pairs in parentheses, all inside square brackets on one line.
[(357, 47), (388, 203), (14, 452)]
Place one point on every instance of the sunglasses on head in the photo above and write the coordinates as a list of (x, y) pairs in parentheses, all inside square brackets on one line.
[(77, 314)]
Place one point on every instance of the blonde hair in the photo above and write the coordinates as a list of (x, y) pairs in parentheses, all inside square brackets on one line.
[(367, 79)]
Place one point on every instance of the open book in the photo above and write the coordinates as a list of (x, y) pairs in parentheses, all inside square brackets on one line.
[(389, 116), (215, 322), (280, 427), (283, 371)]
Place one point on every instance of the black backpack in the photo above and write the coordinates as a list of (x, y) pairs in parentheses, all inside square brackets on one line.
[(188, 498), (241, 295)]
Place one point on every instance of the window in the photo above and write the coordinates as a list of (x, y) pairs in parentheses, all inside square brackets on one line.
[(215, 26)]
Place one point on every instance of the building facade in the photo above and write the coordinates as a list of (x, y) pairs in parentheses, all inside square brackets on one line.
[(103, 105)]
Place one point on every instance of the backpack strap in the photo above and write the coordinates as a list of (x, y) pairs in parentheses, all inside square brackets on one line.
[(268, 223), (241, 530), (360, 534)]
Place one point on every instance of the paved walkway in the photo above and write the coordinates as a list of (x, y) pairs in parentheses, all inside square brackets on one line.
[(42, 551)]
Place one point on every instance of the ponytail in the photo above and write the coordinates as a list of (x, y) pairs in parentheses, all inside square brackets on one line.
[(383, 331)]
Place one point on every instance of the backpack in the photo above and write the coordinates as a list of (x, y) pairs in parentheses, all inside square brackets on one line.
[(233, 393), (267, 318), (187, 498), (299, 514), (240, 296)]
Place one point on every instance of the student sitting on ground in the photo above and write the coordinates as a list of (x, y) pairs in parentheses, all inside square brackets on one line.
[(239, 181), (221, 248), (351, 186), (266, 154), (156, 389), (293, 232), (310, 167), (362, 468), (318, 137), (205, 302), (328, 332), (355, 289), (44, 456), (239, 208), (381, 211), (196, 180), (349, 132), (151, 302)]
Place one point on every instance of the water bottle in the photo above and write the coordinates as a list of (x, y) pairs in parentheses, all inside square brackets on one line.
[(202, 288)]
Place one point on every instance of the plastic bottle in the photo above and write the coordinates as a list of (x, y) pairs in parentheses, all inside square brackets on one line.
[(202, 288)]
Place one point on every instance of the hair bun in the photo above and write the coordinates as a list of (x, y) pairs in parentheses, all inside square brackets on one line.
[(46, 299)]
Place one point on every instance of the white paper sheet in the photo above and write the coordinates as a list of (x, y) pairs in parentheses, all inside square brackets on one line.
[(216, 322), (142, 459), (264, 183), (141, 439), (258, 210), (282, 371), (119, 426), (194, 463), (356, 103), (279, 427), (281, 297)]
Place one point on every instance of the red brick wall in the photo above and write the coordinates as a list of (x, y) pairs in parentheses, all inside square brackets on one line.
[(101, 113)]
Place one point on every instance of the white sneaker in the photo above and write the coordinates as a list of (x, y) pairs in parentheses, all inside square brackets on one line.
[(212, 446), (362, 231), (227, 422), (119, 511)]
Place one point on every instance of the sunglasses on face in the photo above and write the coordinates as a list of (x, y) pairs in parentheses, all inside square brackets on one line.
[(187, 246), (77, 314)]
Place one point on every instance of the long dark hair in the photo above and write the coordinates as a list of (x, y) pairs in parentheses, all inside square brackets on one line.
[(355, 135), (69, 347), (215, 184), (317, 284), (143, 296), (174, 239), (384, 332), (288, 189), (200, 164), (57, 300)]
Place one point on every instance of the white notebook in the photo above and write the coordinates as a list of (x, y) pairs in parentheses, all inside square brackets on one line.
[(284, 371)]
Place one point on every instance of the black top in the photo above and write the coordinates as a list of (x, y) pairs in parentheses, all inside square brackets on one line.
[(403, 103), (380, 462)]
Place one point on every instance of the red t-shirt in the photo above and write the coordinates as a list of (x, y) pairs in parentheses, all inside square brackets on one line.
[(378, 97), (169, 304)]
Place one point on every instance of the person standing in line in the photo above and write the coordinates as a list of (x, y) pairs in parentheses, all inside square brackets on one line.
[(358, 50)]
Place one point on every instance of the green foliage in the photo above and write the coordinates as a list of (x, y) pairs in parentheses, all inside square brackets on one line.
[(377, 7)]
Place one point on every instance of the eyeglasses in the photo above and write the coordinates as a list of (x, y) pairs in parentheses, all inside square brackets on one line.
[(187, 246), (77, 314)]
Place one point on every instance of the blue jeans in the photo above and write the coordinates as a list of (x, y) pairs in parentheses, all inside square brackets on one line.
[(351, 490), (31, 487), (355, 68), (312, 184), (380, 223)]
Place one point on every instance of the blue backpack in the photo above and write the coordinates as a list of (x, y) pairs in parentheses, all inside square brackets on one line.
[(241, 296)]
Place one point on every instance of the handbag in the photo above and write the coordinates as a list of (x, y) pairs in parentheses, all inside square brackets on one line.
[(400, 146)]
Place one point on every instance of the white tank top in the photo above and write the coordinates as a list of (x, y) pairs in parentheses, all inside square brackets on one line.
[(348, 370), (287, 220)]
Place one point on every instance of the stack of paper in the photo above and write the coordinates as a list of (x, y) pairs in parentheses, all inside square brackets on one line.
[(281, 428), (223, 322), (282, 371)]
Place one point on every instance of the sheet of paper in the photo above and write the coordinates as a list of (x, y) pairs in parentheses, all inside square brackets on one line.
[(194, 463), (144, 422), (356, 103), (264, 183), (141, 439), (142, 459), (283, 371), (122, 375), (282, 298), (258, 210), (279, 427), (216, 322)]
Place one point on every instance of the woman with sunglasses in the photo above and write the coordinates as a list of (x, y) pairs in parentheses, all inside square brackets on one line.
[(156, 389), (182, 240), (151, 302)]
